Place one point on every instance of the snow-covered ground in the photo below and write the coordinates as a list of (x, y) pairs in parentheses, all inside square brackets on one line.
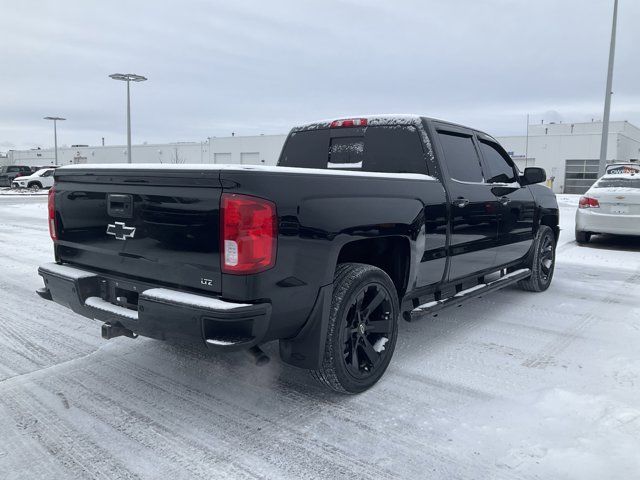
[(22, 191), (514, 385)]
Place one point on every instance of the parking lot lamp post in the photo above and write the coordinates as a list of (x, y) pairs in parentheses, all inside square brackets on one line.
[(55, 134), (128, 77), (608, 92)]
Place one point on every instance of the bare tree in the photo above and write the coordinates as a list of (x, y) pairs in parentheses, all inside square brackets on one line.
[(176, 158)]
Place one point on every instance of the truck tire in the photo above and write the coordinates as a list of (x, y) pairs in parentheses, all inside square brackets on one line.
[(542, 263), (582, 237), (34, 186), (362, 329)]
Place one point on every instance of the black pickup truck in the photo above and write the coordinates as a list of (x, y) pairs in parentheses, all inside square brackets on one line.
[(363, 221)]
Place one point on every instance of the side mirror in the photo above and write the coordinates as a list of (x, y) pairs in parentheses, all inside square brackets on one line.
[(533, 175)]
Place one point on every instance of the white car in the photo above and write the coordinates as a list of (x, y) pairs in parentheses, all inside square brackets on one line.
[(43, 178), (611, 205)]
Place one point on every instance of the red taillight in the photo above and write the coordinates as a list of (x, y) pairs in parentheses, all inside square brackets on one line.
[(588, 202), (349, 122), (248, 234), (52, 214)]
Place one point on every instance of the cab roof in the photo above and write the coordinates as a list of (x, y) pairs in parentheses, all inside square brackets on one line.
[(381, 119)]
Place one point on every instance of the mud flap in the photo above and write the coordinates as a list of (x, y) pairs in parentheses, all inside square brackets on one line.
[(306, 349)]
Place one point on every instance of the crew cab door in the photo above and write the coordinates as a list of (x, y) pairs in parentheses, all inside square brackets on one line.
[(515, 204), (473, 211)]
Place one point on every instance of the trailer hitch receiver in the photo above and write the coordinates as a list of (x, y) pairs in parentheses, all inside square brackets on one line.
[(110, 331)]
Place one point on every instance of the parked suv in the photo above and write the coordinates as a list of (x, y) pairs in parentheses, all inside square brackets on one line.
[(9, 172), (41, 179)]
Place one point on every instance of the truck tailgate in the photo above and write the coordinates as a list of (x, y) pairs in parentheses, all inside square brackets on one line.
[(160, 225)]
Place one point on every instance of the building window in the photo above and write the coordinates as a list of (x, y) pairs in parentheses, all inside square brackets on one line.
[(579, 175)]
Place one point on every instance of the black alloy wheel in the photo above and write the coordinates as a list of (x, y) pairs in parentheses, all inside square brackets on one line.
[(547, 258), (542, 261), (366, 330), (362, 329)]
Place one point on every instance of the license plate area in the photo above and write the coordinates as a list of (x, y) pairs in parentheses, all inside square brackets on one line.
[(121, 293), (619, 209)]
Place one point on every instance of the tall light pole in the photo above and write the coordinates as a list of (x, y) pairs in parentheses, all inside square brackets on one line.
[(55, 134), (607, 95), (128, 77)]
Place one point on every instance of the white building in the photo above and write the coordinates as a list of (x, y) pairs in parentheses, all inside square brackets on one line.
[(259, 149), (570, 152)]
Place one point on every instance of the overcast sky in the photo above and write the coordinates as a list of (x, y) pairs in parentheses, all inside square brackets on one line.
[(262, 66)]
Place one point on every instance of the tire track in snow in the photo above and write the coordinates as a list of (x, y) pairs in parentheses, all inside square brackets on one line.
[(546, 355), (75, 452), (233, 413)]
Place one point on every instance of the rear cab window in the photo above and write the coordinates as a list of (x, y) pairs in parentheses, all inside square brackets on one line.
[(347, 152), (378, 148)]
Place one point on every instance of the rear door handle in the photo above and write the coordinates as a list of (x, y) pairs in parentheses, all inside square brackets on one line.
[(460, 202)]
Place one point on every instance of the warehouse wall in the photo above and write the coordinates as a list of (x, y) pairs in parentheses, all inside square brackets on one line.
[(259, 149), (550, 145)]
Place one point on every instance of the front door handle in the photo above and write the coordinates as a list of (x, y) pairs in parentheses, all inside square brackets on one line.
[(460, 202), (504, 200)]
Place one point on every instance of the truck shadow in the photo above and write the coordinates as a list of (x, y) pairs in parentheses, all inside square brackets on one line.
[(502, 330), (454, 339)]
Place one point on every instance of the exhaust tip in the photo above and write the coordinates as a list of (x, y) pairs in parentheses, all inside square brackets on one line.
[(259, 357)]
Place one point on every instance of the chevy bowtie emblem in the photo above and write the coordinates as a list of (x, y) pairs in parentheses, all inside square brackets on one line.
[(620, 197), (120, 231)]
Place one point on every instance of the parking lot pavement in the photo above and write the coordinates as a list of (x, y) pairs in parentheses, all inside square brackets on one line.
[(513, 385)]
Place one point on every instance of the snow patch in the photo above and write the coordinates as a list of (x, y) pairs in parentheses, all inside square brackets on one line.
[(249, 168), (22, 191), (64, 271), (100, 304), (190, 299), (568, 435), (506, 185), (380, 343), (215, 341)]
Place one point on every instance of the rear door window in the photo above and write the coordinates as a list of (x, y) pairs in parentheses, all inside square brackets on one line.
[(461, 156), (394, 149), (499, 170)]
